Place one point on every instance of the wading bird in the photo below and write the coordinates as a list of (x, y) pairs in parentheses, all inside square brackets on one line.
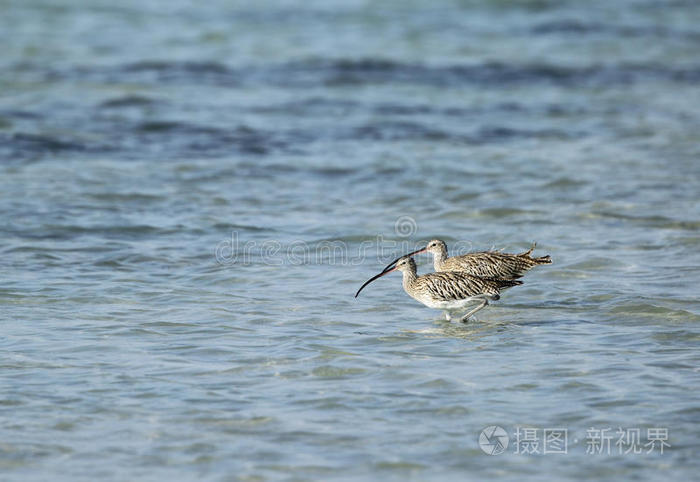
[(450, 292), (486, 264)]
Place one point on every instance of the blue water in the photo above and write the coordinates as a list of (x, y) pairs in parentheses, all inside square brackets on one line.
[(191, 194)]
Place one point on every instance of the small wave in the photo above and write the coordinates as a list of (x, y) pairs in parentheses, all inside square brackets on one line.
[(131, 197), (334, 172), (311, 106), (327, 72), (165, 65), (397, 131), (158, 126), (568, 26), (508, 212), (243, 227), (23, 147), (595, 263), (578, 27), (372, 71), (564, 183), (53, 231), (334, 372), (187, 66), (185, 138), (648, 309), (39, 142), (20, 114), (501, 133), (128, 101), (652, 221)]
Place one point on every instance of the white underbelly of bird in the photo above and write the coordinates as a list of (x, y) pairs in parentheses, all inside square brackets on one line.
[(453, 305)]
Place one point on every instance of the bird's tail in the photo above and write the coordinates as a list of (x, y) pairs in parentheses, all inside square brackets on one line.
[(508, 283), (541, 260)]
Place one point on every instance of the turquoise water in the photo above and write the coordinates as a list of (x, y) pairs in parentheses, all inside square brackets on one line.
[(192, 194)]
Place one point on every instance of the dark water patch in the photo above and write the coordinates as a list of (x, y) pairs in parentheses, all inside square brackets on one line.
[(64, 232), (209, 72), (578, 27), (166, 126), (250, 170), (559, 110), (334, 172), (40, 143), (661, 222), (243, 227), (318, 106), (23, 147), (461, 197), (21, 114), (164, 66), (564, 183), (147, 72), (404, 109), (651, 310), (397, 130), (128, 101), (9, 118), (496, 108), (101, 248), (402, 467), (110, 263), (501, 133), (184, 139), (311, 106), (372, 71), (509, 212), (567, 26), (134, 197)]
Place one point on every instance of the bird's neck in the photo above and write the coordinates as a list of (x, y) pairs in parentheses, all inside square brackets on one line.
[(409, 277), (439, 258)]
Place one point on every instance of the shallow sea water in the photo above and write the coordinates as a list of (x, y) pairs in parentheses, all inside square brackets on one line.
[(191, 194)]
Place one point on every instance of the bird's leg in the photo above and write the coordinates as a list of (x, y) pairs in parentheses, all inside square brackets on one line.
[(447, 316), (465, 318)]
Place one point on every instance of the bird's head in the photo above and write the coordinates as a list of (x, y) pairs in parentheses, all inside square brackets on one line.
[(404, 264), (436, 246)]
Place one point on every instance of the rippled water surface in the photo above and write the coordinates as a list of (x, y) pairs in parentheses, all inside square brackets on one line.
[(191, 194)]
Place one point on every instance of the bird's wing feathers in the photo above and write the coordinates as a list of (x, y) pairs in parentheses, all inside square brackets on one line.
[(454, 286)]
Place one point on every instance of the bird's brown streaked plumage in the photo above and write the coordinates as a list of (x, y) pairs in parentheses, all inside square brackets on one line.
[(487, 264), (449, 291)]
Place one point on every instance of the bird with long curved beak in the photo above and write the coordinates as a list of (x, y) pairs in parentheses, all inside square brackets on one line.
[(450, 292), (487, 264)]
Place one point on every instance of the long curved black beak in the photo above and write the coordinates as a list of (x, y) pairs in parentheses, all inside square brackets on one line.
[(386, 271), (418, 251)]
